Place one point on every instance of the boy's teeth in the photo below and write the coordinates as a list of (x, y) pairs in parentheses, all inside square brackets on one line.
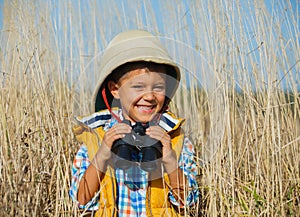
[(145, 107)]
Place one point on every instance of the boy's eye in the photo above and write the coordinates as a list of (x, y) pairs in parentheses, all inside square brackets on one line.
[(138, 87), (159, 88)]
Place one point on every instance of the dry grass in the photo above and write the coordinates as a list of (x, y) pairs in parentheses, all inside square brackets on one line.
[(247, 140)]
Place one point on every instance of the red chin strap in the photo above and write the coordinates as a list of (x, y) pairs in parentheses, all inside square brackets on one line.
[(108, 106)]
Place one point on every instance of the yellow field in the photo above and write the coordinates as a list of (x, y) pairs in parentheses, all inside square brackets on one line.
[(239, 95)]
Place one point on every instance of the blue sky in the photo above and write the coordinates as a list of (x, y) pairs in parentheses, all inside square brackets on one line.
[(273, 6), (1, 17), (269, 3)]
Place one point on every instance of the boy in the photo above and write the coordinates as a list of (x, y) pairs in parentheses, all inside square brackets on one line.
[(137, 81)]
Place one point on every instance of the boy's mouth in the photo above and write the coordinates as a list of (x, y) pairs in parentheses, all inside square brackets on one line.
[(145, 108)]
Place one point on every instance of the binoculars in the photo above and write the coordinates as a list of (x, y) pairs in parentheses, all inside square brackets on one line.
[(137, 147)]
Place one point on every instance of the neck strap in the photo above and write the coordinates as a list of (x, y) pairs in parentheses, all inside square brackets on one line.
[(108, 106)]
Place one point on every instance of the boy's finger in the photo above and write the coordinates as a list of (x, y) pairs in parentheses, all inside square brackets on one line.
[(124, 128)]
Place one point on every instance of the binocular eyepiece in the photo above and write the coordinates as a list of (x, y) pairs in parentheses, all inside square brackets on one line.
[(137, 147)]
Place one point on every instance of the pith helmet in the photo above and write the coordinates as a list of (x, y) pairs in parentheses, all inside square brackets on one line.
[(132, 46)]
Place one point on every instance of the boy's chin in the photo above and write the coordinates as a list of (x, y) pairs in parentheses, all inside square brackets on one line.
[(145, 118)]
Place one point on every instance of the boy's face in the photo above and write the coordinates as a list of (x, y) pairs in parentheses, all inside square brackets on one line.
[(141, 93)]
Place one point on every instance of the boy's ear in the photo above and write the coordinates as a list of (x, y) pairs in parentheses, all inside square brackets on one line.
[(114, 89)]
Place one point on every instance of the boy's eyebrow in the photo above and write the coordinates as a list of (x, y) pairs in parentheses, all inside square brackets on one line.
[(161, 82), (142, 82), (132, 83)]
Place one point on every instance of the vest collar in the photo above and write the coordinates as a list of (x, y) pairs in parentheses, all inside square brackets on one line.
[(168, 120)]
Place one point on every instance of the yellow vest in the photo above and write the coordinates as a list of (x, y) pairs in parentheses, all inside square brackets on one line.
[(157, 193)]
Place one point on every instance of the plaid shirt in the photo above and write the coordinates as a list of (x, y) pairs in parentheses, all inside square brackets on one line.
[(132, 183)]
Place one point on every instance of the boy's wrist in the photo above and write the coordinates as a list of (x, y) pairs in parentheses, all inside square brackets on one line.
[(170, 161), (102, 156)]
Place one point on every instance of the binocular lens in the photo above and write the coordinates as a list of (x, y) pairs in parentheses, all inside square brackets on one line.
[(149, 166), (149, 157), (122, 164), (123, 157)]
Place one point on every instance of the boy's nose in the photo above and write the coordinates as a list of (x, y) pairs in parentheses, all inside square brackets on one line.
[(149, 96)]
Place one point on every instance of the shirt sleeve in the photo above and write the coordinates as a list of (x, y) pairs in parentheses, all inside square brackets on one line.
[(189, 168), (80, 165)]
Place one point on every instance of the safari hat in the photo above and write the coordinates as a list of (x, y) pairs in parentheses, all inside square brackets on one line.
[(131, 46)]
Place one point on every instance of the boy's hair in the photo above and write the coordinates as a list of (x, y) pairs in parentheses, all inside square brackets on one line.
[(120, 71)]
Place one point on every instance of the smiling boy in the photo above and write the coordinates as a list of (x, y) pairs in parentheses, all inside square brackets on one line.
[(137, 81), (141, 90)]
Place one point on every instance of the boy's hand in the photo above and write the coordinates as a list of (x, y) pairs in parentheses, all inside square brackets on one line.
[(118, 131), (158, 133), (104, 152)]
